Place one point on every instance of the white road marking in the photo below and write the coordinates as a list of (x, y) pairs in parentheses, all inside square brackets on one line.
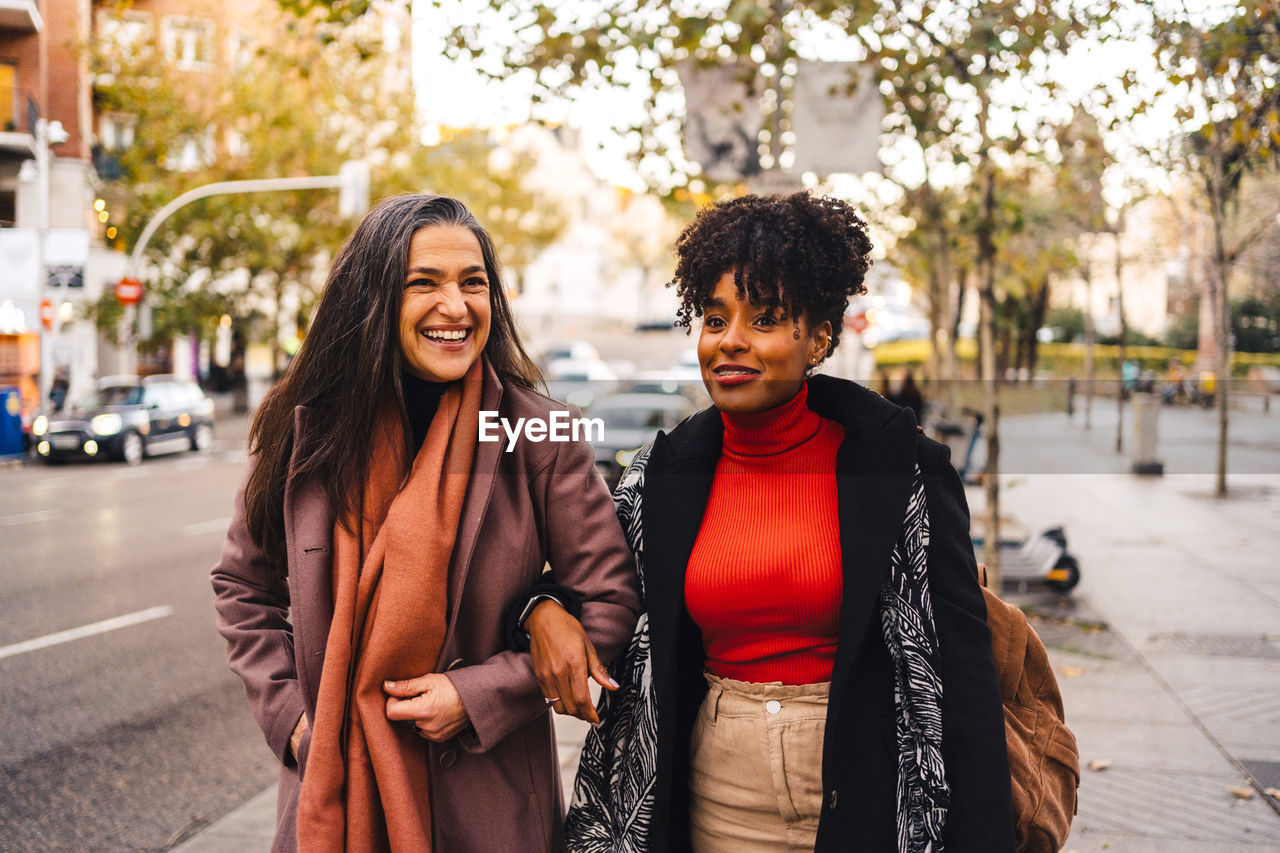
[(26, 517), (218, 525), (86, 631)]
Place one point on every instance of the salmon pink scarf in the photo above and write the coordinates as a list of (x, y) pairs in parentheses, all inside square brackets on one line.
[(365, 786)]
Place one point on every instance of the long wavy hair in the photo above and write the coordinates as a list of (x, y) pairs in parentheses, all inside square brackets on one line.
[(348, 368)]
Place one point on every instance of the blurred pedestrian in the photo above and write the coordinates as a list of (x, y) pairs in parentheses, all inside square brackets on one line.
[(815, 669), (910, 397), (376, 546), (1175, 387), (58, 390), (885, 383)]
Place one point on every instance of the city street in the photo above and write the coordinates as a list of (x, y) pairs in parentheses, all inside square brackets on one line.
[(134, 735), (130, 732)]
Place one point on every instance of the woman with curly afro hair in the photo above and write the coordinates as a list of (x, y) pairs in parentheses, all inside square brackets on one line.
[(814, 670)]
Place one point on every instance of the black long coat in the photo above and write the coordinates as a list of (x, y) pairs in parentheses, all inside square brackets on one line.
[(874, 471)]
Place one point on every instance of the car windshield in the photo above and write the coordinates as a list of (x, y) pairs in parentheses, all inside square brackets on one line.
[(113, 395), (630, 418)]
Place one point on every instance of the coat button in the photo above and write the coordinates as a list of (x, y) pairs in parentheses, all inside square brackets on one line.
[(831, 801), (773, 706), (448, 758)]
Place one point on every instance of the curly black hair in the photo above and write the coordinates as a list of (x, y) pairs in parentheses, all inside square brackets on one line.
[(803, 254)]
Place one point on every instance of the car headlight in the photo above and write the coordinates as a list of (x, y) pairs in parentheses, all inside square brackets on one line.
[(108, 424), (40, 425), (624, 457)]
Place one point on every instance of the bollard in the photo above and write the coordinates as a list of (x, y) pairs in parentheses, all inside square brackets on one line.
[(1146, 418), (1071, 396)]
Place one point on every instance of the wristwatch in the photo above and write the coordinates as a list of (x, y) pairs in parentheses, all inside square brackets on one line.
[(534, 602)]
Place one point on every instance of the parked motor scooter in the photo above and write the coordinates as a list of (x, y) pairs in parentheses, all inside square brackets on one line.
[(1042, 558)]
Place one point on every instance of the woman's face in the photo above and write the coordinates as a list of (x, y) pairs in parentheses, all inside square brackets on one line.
[(751, 359), (445, 313)]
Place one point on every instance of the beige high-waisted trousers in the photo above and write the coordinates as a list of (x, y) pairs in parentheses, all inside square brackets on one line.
[(755, 769)]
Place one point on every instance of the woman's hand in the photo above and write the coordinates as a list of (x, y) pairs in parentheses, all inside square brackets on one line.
[(295, 739), (563, 657), (431, 702)]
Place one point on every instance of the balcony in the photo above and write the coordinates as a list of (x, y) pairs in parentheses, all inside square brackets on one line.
[(21, 16), (18, 114)]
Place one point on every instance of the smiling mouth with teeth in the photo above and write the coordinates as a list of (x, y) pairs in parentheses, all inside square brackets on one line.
[(441, 335)]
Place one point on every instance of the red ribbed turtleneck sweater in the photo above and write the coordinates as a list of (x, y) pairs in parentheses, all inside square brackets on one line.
[(764, 578)]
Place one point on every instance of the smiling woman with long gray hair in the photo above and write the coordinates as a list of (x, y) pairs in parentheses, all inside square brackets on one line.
[(376, 546)]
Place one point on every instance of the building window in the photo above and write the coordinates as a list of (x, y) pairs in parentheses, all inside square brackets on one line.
[(240, 49), (8, 208), (188, 41), (9, 119), (115, 132), (124, 30), (191, 152), (237, 145)]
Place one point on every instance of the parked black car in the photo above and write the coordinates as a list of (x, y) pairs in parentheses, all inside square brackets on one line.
[(629, 421), (128, 418)]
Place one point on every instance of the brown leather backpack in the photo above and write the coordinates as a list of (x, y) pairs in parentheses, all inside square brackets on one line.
[(1043, 759)]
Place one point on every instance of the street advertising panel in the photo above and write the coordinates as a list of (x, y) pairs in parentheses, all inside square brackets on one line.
[(836, 118), (66, 251), (19, 264), (722, 119)]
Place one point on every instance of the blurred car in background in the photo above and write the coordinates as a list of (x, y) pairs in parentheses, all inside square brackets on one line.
[(579, 381), (683, 378), (548, 353), (128, 418), (660, 382), (630, 420)]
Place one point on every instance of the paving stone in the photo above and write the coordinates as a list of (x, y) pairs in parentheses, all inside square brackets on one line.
[(1156, 803)]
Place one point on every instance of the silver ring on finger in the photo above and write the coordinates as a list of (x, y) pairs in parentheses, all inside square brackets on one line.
[(551, 700)]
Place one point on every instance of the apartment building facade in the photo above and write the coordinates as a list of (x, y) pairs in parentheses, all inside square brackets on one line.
[(57, 251)]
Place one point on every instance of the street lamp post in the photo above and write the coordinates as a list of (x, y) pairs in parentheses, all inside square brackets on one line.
[(48, 133), (352, 180)]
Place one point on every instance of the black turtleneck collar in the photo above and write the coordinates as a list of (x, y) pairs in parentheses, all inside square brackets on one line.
[(421, 399)]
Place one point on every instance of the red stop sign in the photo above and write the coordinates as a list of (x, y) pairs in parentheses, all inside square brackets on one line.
[(128, 291)]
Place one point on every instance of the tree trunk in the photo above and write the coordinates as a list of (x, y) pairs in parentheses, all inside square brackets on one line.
[(1124, 332), (1020, 356), (1038, 309), (1005, 355), (962, 291), (990, 380), (1087, 272), (1222, 324), (951, 363), (933, 367), (277, 296)]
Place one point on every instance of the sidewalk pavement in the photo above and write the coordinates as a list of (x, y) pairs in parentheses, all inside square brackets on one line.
[(1168, 653), (250, 828)]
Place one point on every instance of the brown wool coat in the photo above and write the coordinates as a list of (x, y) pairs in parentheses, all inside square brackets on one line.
[(496, 786)]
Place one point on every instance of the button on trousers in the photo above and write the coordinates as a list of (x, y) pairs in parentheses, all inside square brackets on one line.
[(755, 770)]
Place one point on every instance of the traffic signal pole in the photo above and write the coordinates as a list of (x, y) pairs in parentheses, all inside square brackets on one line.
[(352, 180)]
